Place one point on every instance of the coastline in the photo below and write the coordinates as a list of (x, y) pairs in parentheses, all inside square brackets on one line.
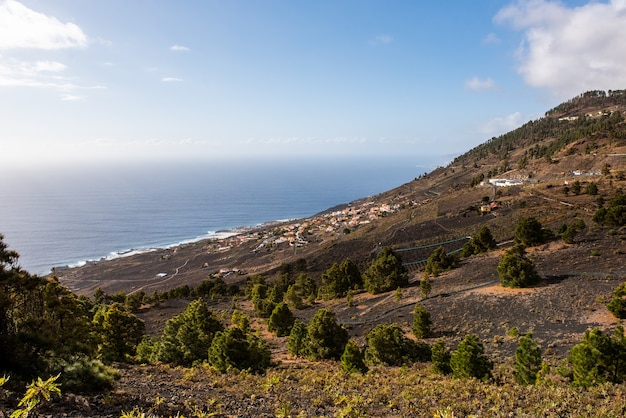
[(211, 236)]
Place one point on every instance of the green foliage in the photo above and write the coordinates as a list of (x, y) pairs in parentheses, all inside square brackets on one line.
[(36, 392), (281, 320), (325, 338), (615, 212), (236, 349), (425, 287), (469, 360), (118, 332), (440, 357), (569, 232), (339, 279), (188, 336), (385, 273), (421, 322), (516, 270), (617, 306), (529, 232), (598, 358), (591, 189), (262, 300), (387, 345), (148, 349), (560, 133), (477, 179), (241, 320), (40, 320), (352, 359), (439, 261), (85, 375), (481, 242), (293, 298), (527, 360), (296, 340)]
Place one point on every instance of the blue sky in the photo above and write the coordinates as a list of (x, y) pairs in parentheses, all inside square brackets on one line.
[(130, 80)]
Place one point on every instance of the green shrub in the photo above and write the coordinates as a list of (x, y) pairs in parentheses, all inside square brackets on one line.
[(387, 344), (516, 270), (264, 299), (118, 333), (325, 338), (529, 232), (421, 322), (296, 340), (615, 212), (568, 232), (425, 287), (148, 349), (385, 273), (441, 358), (339, 279), (439, 261), (469, 360), (598, 358), (188, 336), (85, 375), (527, 360), (281, 320), (236, 349), (352, 359), (481, 242)]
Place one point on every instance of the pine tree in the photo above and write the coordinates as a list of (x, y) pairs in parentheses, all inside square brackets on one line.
[(529, 232), (438, 262), (527, 360), (297, 338), (325, 338), (119, 333), (352, 359), (469, 360), (188, 336), (385, 273), (387, 344), (441, 358), (421, 322), (481, 242), (425, 287), (516, 270), (599, 358), (236, 349), (281, 320)]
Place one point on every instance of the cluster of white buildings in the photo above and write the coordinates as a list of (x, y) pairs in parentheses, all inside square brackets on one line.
[(300, 232)]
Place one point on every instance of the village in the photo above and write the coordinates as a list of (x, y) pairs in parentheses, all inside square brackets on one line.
[(301, 232)]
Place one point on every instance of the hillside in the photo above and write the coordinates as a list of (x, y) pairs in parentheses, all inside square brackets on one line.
[(557, 169), (543, 155)]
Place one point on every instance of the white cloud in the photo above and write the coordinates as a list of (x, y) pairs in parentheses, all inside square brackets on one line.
[(382, 39), (179, 48), (27, 32), (499, 126), (51, 66), (70, 98), (21, 27), (569, 49), (16, 73), (171, 80), (491, 39), (477, 84)]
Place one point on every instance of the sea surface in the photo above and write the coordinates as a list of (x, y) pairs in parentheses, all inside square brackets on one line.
[(66, 217)]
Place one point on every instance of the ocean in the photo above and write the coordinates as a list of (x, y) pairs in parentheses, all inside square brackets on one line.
[(66, 217)]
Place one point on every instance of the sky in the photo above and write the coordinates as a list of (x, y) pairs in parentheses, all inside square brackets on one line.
[(118, 80)]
